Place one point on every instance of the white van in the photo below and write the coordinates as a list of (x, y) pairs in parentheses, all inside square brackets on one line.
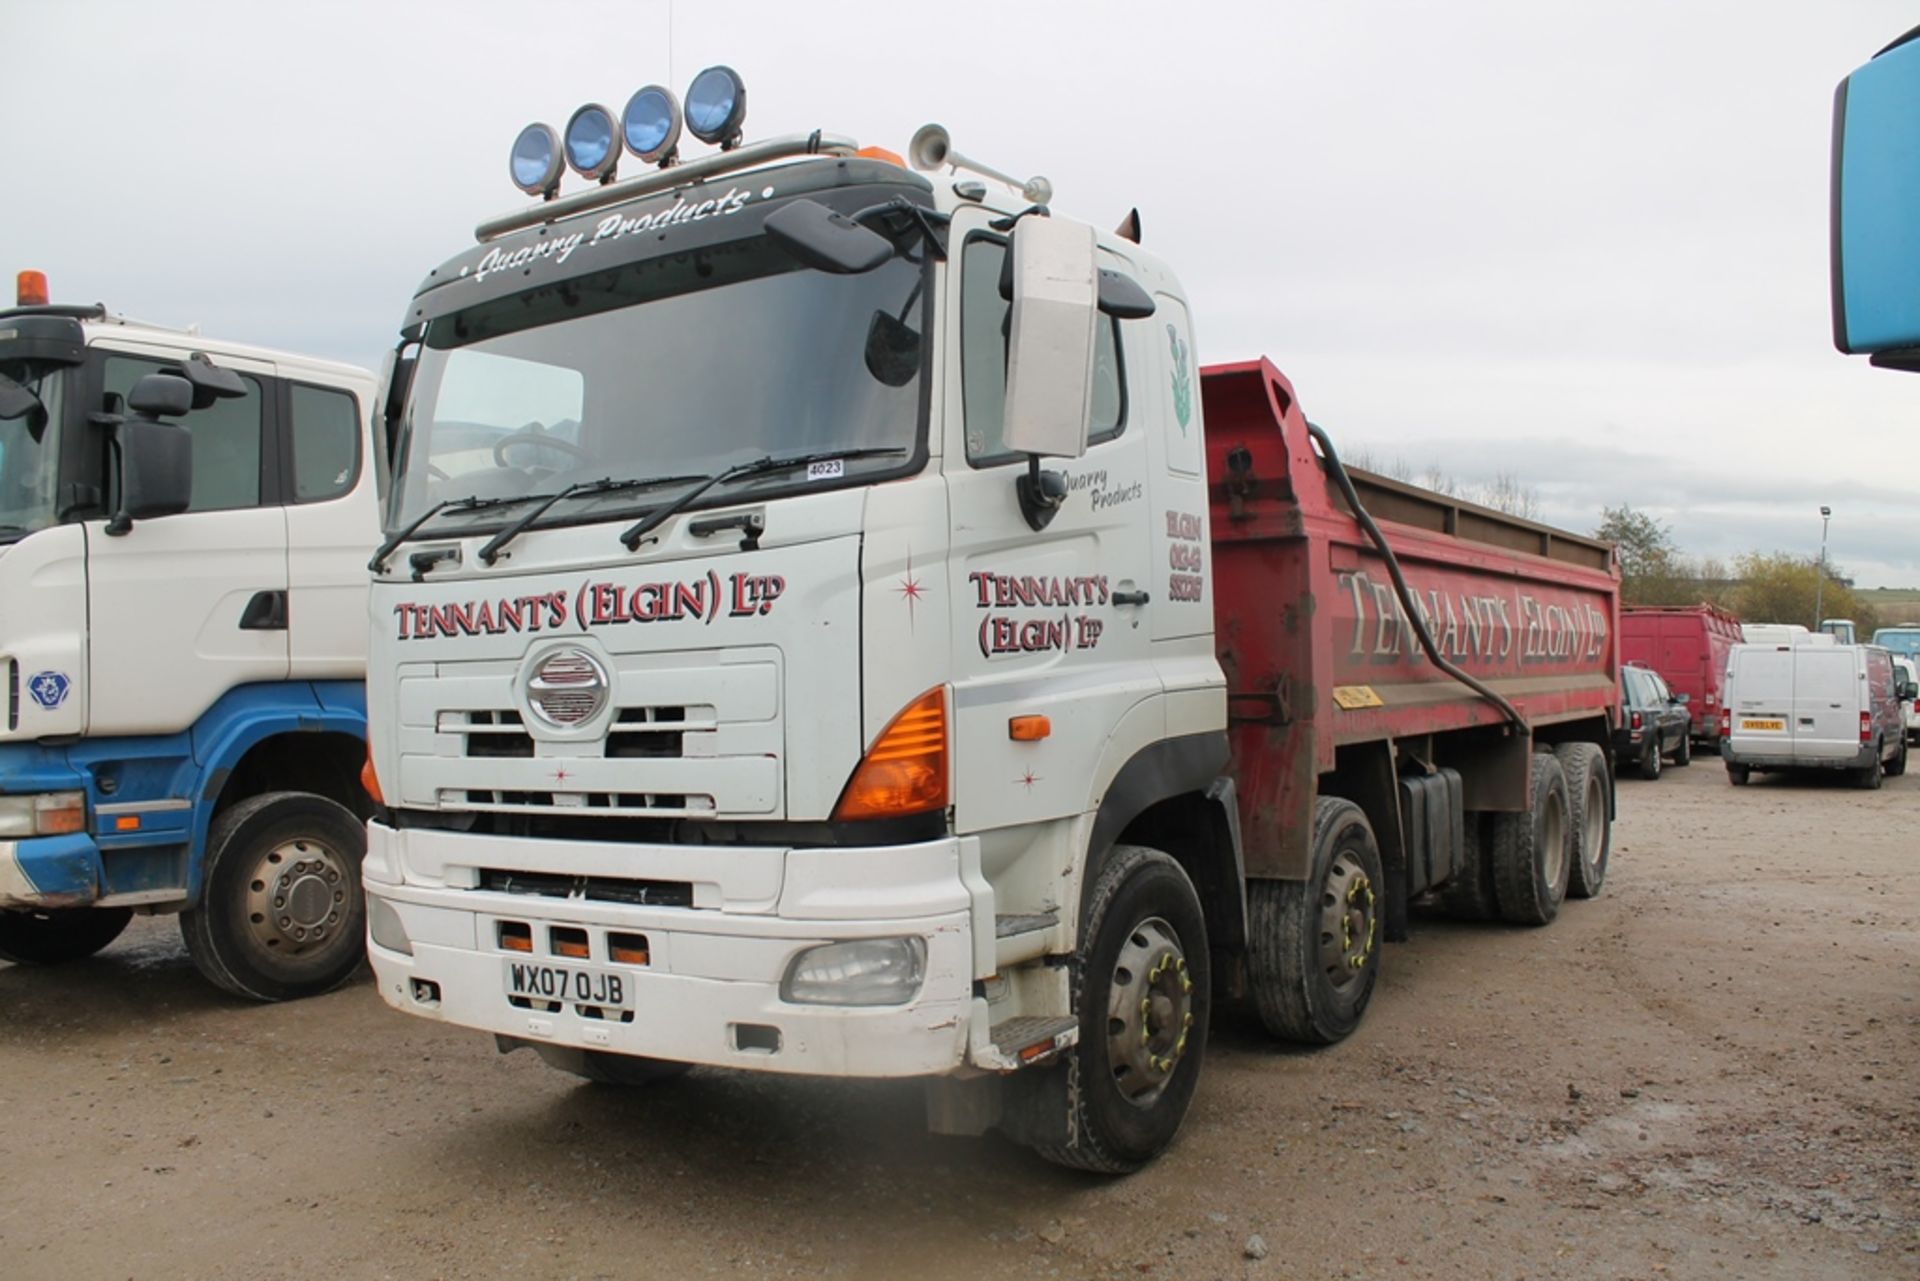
[(1813, 707)]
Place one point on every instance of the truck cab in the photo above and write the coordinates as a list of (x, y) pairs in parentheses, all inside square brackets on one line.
[(183, 531)]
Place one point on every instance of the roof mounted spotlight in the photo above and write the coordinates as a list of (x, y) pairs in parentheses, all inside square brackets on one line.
[(717, 107), (593, 143), (535, 163), (651, 125)]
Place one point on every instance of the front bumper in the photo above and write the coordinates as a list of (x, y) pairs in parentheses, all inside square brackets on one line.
[(49, 872), (711, 990)]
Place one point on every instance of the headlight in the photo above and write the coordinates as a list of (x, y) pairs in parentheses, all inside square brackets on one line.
[(863, 972), (384, 924), (48, 814)]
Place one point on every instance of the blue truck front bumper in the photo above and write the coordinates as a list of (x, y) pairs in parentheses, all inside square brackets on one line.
[(49, 871)]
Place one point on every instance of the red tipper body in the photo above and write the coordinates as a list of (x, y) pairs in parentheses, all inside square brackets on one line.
[(1688, 646), (1317, 651)]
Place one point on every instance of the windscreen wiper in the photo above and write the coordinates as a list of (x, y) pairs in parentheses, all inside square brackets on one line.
[(758, 467), (605, 485), (379, 562)]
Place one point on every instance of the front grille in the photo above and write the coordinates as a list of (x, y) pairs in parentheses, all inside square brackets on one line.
[(656, 733), (663, 804), (600, 889)]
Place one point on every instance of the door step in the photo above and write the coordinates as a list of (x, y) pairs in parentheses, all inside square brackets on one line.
[(1029, 1040)]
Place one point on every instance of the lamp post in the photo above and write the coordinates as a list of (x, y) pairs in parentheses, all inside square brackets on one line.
[(1820, 582)]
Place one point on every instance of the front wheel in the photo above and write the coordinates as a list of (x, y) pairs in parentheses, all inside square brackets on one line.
[(1313, 946), (59, 935), (281, 912), (1142, 989)]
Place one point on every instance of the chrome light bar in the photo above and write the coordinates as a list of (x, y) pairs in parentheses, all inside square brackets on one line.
[(757, 153)]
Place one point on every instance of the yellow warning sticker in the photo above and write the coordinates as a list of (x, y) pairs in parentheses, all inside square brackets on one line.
[(1352, 697)]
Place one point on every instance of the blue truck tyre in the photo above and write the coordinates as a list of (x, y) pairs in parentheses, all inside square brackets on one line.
[(281, 914), (51, 937)]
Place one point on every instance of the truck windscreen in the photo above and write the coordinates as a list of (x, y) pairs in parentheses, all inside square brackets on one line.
[(676, 366), (29, 457)]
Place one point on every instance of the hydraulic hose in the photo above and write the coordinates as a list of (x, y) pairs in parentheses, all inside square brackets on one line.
[(1405, 593)]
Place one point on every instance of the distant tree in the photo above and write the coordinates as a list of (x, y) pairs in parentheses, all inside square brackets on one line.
[(1652, 571), (1780, 588), (1505, 493)]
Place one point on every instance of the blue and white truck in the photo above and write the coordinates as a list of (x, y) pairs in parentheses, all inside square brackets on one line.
[(184, 527)]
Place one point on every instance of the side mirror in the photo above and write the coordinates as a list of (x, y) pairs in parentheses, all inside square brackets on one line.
[(1908, 691), (893, 350), (18, 402), (156, 469), (156, 458), (826, 241), (209, 381), (1049, 408), (158, 394)]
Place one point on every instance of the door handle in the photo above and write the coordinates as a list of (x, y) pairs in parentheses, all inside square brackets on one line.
[(1130, 598), (266, 612)]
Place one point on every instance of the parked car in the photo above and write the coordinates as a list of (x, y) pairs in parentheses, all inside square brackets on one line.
[(1795, 707), (1654, 723), (1687, 645), (1908, 671)]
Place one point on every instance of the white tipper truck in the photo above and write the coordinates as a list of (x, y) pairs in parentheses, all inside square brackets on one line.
[(183, 534), (745, 691)]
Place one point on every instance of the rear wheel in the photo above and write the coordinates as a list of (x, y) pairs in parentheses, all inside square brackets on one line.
[(1683, 754), (1586, 771), (281, 912), (1142, 989), (1738, 774), (1870, 776), (1898, 765), (1650, 759), (1313, 947), (1532, 851), (59, 935)]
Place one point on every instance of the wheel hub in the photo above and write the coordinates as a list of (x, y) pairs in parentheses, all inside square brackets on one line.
[(297, 896), (1349, 921), (1149, 1011)]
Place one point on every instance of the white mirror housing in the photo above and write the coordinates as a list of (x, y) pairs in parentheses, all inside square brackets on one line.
[(1056, 308)]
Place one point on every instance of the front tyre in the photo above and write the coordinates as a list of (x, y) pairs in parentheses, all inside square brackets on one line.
[(281, 912), (1313, 946), (1142, 988), (59, 935)]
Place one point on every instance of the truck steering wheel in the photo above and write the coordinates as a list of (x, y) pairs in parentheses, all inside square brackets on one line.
[(537, 435)]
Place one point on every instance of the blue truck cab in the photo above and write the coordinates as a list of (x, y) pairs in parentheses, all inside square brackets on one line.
[(184, 527)]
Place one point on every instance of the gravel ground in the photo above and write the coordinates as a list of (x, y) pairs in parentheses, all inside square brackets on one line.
[(1709, 1071)]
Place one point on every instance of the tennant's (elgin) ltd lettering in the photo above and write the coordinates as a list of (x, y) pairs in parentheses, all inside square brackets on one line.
[(596, 605), (1469, 626)]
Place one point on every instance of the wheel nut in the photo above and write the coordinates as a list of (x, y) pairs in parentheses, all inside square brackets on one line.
[(280, 900)]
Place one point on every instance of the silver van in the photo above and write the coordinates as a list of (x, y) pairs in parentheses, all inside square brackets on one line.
[(1802, 706)]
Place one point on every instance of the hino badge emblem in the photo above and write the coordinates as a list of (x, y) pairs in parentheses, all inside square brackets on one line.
[(568, 688)]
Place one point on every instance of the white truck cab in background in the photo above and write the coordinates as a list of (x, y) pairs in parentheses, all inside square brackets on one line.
[(183, 534)]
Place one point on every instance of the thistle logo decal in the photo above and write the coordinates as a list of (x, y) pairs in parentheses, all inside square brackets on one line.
[(1182, 380)]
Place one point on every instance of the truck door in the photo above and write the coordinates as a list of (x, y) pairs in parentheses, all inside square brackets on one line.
[(1827, 699), (1056, 621), (1182, 620), (1760, 698), (183, 608), (332, 526)]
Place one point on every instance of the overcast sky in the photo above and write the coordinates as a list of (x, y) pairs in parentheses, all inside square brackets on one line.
[(1582, 243)]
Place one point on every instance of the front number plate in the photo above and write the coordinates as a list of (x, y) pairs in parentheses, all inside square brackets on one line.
[(1745, 724), (573, 985)]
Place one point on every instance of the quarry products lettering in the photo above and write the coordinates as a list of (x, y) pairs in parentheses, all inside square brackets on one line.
[(603, 604)]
